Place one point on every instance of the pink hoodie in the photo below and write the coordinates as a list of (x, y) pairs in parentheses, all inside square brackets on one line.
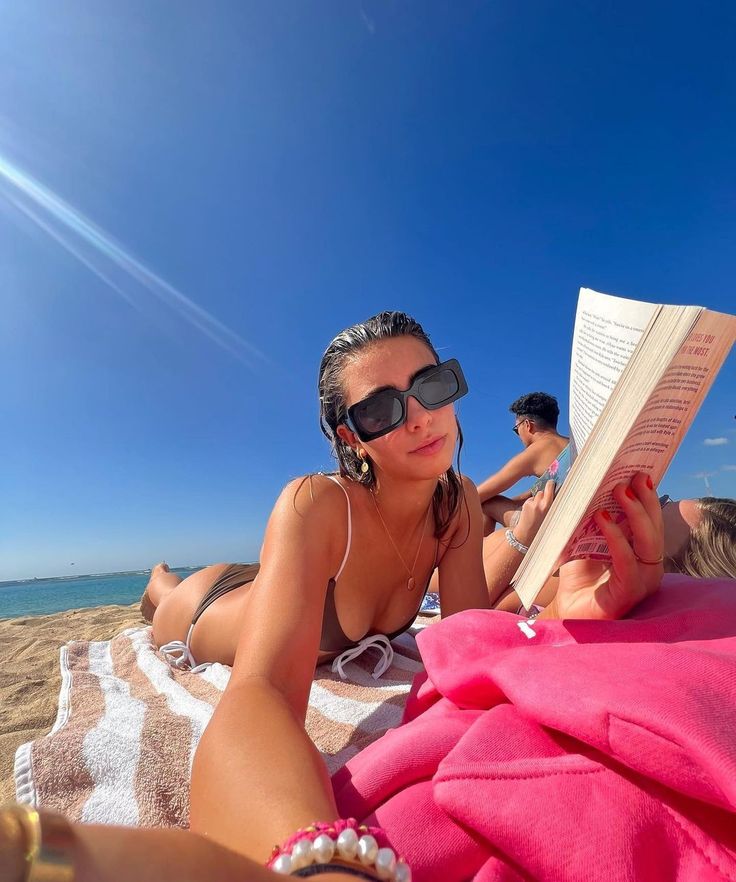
[(593, 750)]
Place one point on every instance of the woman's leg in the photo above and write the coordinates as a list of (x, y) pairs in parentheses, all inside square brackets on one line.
[(161, 582), (489, 521), (498, 569), (499, 510)]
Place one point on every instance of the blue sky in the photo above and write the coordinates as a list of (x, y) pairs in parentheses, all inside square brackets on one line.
[(237, 182)]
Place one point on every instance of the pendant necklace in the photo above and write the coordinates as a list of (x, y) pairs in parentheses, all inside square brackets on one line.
[(411, 583)]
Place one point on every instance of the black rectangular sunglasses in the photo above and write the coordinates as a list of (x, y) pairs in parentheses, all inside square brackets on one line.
[(384, 411)]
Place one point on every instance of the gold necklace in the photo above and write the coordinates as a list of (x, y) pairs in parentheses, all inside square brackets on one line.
[(411, 583)]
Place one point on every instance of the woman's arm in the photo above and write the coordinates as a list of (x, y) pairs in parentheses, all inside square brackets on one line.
[(102, 853), (121, 854), (257, 777), (461, 583)]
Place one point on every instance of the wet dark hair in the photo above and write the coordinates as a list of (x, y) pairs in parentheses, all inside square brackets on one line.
[(537, 406), (448, 495)]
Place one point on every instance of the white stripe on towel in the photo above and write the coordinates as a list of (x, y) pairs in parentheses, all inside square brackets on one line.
[(351, 711), (25, 790), (65, 692), (217, 675), (179, 701), (113, 800)]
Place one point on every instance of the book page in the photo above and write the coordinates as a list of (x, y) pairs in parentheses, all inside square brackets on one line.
[(660, 427), (607, 330), (640, 428)]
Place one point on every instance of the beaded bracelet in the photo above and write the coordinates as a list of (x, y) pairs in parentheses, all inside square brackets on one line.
[(343, 839), (514, 542)]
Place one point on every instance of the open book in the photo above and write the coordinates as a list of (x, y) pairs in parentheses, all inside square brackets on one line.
[(639, 372)]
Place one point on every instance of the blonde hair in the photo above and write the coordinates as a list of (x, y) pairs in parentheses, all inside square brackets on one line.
[(711, 550)]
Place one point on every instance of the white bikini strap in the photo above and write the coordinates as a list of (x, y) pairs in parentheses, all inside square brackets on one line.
[(179, 655), (350, 526), (375, 641)]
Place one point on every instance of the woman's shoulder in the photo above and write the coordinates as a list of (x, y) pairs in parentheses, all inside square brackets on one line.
[(315, 495), (469, 488), (310, 513)]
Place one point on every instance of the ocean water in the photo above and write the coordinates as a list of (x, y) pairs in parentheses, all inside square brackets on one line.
[(33, 597)]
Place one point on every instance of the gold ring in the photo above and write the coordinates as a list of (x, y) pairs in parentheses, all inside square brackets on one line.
[(46, 843), (651, 563)]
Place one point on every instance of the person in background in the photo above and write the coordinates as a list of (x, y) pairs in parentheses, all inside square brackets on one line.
[(545, 456), (699, 542), (700, 537)]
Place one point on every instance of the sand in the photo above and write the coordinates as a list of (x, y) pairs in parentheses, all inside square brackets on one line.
[(29, 672)]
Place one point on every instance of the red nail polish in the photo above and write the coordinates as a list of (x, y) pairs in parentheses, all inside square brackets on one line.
[(606, 515), (630, 493), (650, 483)]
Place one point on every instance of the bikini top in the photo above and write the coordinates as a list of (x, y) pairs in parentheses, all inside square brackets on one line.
[(334, 639)]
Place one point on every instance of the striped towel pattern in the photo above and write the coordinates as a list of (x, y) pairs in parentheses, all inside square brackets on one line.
[(128, 725)]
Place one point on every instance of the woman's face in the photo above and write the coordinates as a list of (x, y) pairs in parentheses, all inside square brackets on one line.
[(423, 446), (680, 517)]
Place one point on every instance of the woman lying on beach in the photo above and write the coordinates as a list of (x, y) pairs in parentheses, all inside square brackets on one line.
[(344, 559), (257, 778), (699, 541)]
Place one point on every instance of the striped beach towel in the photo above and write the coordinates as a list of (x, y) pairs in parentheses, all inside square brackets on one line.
[(128, 725)]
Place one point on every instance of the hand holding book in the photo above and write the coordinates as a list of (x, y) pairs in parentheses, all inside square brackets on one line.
[(639, 372), (592, 589)]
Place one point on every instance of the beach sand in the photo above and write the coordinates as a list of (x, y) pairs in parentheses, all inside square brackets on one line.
[(30, 678)]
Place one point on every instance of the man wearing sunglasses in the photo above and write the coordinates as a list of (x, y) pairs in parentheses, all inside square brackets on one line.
[(535, 424)]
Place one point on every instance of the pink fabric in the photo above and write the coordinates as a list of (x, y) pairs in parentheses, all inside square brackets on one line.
[(595, 750)]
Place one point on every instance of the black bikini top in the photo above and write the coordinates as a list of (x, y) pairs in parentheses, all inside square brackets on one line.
[(334, 639)]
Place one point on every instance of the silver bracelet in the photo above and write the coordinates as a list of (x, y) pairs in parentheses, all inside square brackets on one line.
[(514, 542)]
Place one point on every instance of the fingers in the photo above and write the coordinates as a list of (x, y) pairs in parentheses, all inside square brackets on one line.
[(548, 494), (622, 554), (533, 512), (542, 501), (625, 588), (588, 590), (634, 579), (646, 492), (639, 504)]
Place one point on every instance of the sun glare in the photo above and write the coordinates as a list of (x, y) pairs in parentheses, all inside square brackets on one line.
[(106, 258)]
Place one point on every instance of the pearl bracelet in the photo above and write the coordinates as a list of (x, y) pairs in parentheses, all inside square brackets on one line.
[(343, 840), (514, 542)]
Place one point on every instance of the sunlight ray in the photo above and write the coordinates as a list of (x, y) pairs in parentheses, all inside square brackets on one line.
[(79, 232)]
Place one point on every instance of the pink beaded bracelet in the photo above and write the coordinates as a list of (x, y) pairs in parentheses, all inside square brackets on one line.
[(343, 839)]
